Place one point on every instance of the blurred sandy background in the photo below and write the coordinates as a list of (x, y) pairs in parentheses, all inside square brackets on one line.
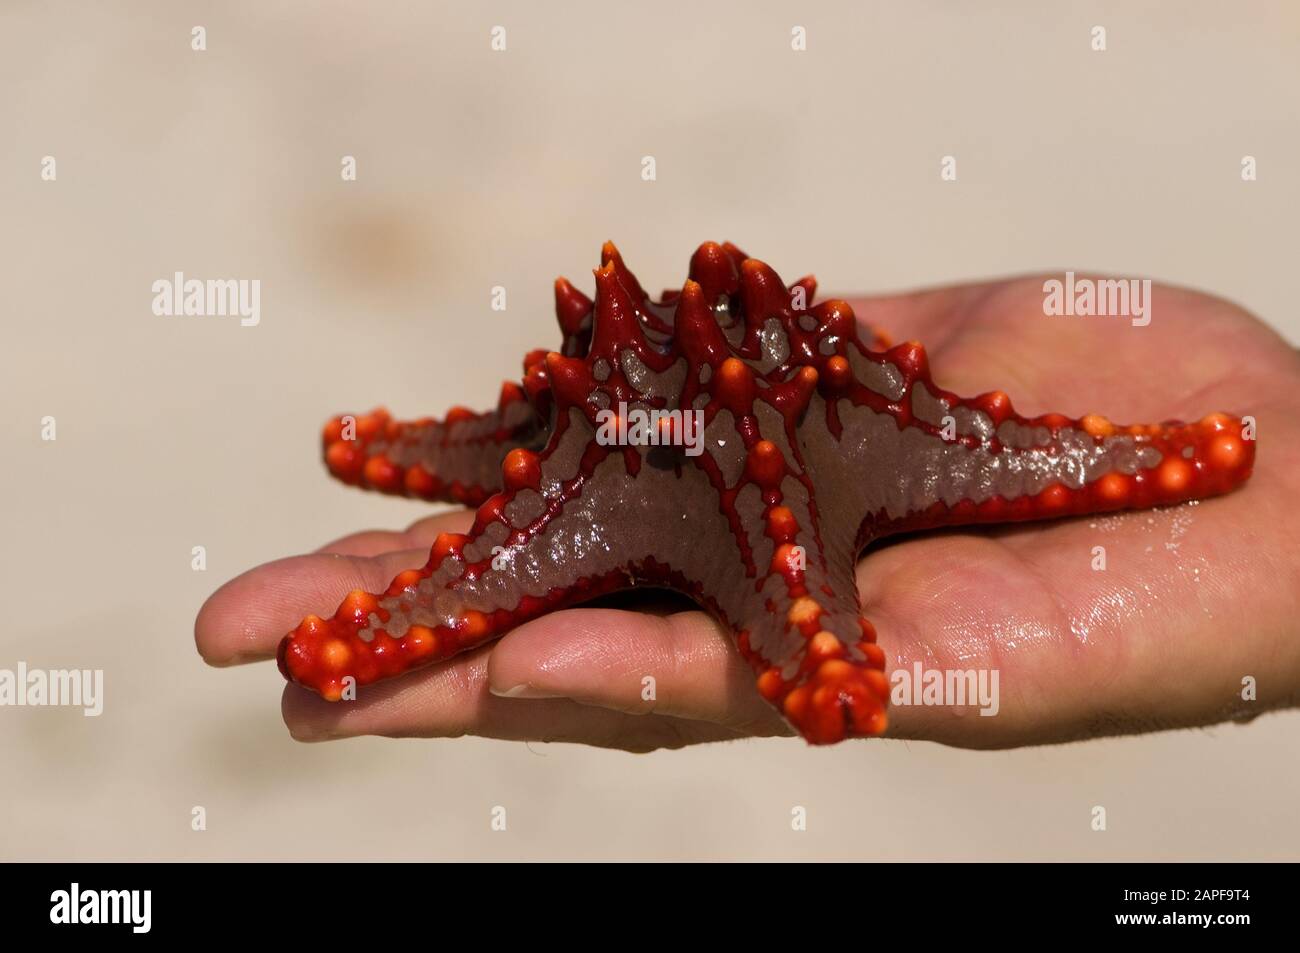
[(476, 169)]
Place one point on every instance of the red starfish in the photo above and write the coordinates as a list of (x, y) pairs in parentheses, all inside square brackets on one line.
[(594, 477)]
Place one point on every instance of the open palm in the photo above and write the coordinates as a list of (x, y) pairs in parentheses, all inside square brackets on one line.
[(1193, 600)]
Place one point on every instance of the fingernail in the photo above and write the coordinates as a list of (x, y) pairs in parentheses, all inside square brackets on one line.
[(521, 691), (309, 736)]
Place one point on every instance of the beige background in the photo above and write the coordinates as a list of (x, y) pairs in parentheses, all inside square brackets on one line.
[(479, 168)]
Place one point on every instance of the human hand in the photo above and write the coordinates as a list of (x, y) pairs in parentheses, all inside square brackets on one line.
[(1194, 598)]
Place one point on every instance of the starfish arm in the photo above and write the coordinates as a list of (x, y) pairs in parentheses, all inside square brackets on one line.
[(530, 551), (572, 523), (933, 459), (1052, 466), (800, 625), (456, 459)]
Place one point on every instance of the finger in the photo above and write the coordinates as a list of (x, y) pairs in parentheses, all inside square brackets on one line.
[(452, 700), (370, 542), (682, 665), (419, 535), (928, 315), (245, 619), (686, 666)]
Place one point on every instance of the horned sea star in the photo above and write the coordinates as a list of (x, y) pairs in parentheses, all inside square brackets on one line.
[(815, 444)]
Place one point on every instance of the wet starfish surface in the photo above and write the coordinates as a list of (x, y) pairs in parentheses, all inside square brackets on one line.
[(734, 442)]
